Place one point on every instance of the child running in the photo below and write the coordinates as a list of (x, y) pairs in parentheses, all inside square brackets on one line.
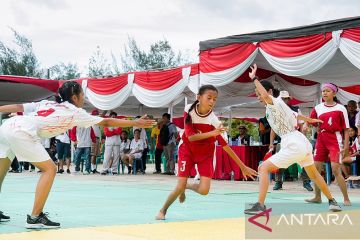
[(330, 144), (202, 130), (295, 147), (20, 137)]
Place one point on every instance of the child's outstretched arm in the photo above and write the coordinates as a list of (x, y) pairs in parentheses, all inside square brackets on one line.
[(201, 136), (12, 108), (142, 122), (308, 119), (259, 88), (246, 171)]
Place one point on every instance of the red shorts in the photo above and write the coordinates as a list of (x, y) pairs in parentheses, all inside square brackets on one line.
[(328, 146), (187, 161)]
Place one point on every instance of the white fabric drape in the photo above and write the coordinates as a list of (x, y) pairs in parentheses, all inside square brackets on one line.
[(160, 98), (222, 78), (111, 101), (307, 63), (351, 51)]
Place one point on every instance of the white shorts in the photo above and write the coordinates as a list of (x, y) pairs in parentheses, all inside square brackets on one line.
[(18, 138), (295, 148)]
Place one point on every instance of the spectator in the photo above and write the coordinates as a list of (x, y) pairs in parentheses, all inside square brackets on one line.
[(264, 131), (243, 138), (112, 147), (168, 136), (155, 136), (63, 149), (124, 145), (83, 137), (95, 147), (352, 112), (136, 148), (144, 138), (354, 149)]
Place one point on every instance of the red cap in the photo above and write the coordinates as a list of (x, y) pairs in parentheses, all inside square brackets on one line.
[(95, 112)]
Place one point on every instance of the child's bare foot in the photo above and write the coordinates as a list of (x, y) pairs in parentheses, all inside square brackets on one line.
[(314, 200), (347, 203), (182, 197), (160, 216)]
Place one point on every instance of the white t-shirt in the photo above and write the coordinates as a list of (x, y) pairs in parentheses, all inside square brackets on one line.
[(143, 135), (281, 118), (83, 137), (45, 142), (357, 119), (64, 138), (49, 119), (97, 131), (136, 145)]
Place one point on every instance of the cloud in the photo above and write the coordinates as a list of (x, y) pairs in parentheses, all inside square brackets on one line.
[(50, 4)]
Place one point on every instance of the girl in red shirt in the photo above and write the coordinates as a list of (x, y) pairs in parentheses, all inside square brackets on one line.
[(333, 138), (197, 146)]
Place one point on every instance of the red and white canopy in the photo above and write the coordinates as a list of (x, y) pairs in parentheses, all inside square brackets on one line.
[(15, 89), (297, 60)]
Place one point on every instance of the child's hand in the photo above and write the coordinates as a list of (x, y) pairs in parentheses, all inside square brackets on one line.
[(249, 172), (314, 120), (221, 129), (144, 122), (252, 74)]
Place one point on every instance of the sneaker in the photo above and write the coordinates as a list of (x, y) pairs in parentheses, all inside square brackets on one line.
[(4, 218), (86, 173), (334, 206), (94, 171), (41, 222), (68, 171), (278, 186), (255, 209), (307, 186), (157, 172), (61, 171)]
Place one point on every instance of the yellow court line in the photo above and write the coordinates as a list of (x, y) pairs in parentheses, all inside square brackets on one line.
[(208, 229)]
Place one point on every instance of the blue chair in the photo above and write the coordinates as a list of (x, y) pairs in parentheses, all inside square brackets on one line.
[(353, 169), (135, 165)]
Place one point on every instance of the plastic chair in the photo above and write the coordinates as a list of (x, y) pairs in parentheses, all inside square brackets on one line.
[(135, 163), (121, 163), (353, 169)]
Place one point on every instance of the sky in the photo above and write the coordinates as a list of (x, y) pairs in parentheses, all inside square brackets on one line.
[(70, 30)]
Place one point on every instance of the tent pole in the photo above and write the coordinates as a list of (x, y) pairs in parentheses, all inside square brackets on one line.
[(141, 109), (230, 121)]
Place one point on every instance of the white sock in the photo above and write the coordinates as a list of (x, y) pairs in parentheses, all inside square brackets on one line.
[(93, 166)]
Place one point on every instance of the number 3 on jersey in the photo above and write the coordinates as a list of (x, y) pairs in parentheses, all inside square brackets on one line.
[(183, 164)]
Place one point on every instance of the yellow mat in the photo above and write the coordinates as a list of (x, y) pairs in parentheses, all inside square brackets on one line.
[(209, 229)]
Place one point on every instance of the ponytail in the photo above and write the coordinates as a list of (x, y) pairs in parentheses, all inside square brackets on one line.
[(188, 118)]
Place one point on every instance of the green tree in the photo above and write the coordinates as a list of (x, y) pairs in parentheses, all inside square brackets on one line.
[(252, 128), (64, 71), (160, 56), (20, 60), (98, 64)]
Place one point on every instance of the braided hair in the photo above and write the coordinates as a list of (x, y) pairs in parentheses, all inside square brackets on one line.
[(202, 90)]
